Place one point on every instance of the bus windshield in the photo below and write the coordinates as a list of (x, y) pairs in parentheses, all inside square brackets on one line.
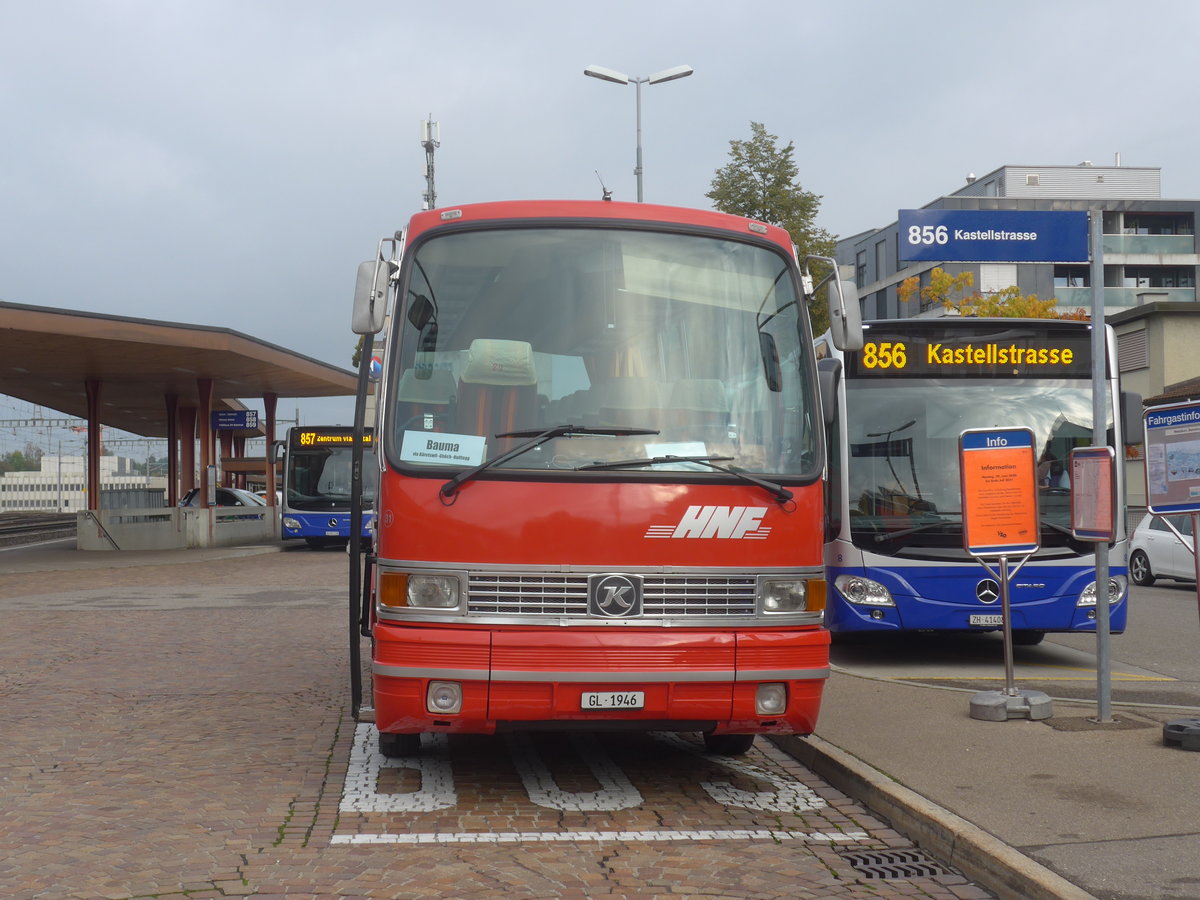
[(318, 477), (697, 340), (902, 439)]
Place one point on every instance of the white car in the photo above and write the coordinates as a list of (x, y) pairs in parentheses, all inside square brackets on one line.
[(1156, 552)]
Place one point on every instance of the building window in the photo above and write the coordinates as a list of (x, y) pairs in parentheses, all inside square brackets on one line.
[(1158, 223), (860, 268), (1159, 277), (1033, 180), (1072, 276)]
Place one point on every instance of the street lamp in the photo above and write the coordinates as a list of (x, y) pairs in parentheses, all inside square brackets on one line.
[(620, 78)]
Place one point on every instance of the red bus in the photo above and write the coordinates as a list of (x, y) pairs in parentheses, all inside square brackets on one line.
[(600, 443)]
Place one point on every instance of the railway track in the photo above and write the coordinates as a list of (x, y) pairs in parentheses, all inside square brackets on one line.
[(24, 528)]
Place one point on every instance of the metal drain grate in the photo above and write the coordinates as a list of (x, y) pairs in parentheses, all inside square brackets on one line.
[(894, 863)]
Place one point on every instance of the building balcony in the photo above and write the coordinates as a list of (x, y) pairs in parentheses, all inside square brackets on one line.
[(1149, 244), (1122, 298)]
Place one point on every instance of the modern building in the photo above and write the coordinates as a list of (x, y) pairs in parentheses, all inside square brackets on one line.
[(1149, 244), (60, 485)]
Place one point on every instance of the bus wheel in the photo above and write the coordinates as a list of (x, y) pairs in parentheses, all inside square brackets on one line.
[(399, 744), (1027, 637), (728, 744)]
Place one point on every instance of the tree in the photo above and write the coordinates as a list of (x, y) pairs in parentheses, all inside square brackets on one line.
[(760, 182), (1007, 303), (17, 461)]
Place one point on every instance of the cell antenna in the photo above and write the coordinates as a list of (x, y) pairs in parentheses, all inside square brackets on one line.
[(605, 193), (430, 140)]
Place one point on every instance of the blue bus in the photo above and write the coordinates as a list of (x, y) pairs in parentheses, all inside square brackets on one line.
[(315, 506), (894, 553)]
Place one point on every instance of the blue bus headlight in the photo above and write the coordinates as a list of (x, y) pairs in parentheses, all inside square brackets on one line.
[(291, 524), (1116, 590), (863, 591)]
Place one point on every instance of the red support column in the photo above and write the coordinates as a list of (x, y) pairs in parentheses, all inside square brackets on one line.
[(225, 441), (187, 449), (269, 403), (172, 401), (204, 387), (92, 386)]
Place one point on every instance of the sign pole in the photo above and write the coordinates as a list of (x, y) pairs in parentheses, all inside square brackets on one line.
[(1099, 439), (1010, 686)]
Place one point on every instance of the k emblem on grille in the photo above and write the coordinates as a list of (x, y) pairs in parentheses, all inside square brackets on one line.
[(614, 596)]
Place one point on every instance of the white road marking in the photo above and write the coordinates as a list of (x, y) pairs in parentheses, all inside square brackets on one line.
[(616, 790), (788, 796), (361, 792), (516, 837)]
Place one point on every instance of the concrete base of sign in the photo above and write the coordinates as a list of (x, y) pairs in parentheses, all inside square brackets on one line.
[(997, 706), (1182, 733)]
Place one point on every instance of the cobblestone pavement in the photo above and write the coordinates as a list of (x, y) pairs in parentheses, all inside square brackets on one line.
[(181, 731)]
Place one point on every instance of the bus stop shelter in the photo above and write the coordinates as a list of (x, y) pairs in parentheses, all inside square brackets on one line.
[(153, 379)]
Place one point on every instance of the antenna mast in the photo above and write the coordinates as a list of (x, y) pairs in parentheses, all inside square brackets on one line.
[(430, 140)]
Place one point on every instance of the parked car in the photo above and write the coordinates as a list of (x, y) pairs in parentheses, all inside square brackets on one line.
[(225, 497), (1155, 551)]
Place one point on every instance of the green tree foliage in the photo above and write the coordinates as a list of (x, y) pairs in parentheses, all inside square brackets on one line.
[(760, 182), (29, 460)]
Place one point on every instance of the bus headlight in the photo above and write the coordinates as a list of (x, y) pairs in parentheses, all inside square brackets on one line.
[(788, 595), (399, 590), (863, 591), (291, 524), (1116, 590), (432, 591), (444, 698)]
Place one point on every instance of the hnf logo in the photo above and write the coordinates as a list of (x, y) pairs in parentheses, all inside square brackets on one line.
[(736, 522), (614, 596)]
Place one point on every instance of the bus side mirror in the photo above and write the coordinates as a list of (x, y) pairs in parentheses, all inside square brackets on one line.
[(1131, 418), (370, 297), (276, 451), (829, 376), (845, 317)]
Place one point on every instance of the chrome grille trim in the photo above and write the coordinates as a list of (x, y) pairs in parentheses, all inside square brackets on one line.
[(561, 594)]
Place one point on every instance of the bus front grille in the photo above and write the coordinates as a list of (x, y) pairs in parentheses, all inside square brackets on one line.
[(664, 596)]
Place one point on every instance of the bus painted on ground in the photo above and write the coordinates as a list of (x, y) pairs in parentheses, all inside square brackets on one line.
[(600, 504), (895, 556), (315, 501)]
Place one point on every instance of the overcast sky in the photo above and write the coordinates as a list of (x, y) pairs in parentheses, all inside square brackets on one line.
[(229, 162)]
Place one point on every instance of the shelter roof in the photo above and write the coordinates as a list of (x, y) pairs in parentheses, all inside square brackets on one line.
[(47, 355)]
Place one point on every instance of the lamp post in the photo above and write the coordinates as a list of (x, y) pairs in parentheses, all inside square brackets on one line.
[(620, 78)]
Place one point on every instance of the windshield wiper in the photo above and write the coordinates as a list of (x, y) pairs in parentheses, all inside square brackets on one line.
[(780, 493), (537, 438), (924, 526)]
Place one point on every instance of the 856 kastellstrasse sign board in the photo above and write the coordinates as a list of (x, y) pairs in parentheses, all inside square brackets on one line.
[(1173, 458), (998, 235)]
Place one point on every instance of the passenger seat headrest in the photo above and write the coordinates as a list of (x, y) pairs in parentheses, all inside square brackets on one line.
[(499, 362)]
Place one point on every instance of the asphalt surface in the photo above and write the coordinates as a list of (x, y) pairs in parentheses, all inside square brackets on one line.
[(1063, 807)]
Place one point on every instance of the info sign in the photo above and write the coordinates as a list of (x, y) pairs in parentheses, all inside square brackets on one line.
[(999, 491), (234, 418), (1093, 494), (994, 235), (1173, 458)]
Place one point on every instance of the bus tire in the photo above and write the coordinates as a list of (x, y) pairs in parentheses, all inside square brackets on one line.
[(728, 744), (1140, 572), (1027, 637), (399, 744)]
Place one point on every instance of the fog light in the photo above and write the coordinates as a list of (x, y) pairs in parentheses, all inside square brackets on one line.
[(444, 697), (770, 699)]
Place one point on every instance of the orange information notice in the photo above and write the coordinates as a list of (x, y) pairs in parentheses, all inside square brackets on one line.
[(999, 491)]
